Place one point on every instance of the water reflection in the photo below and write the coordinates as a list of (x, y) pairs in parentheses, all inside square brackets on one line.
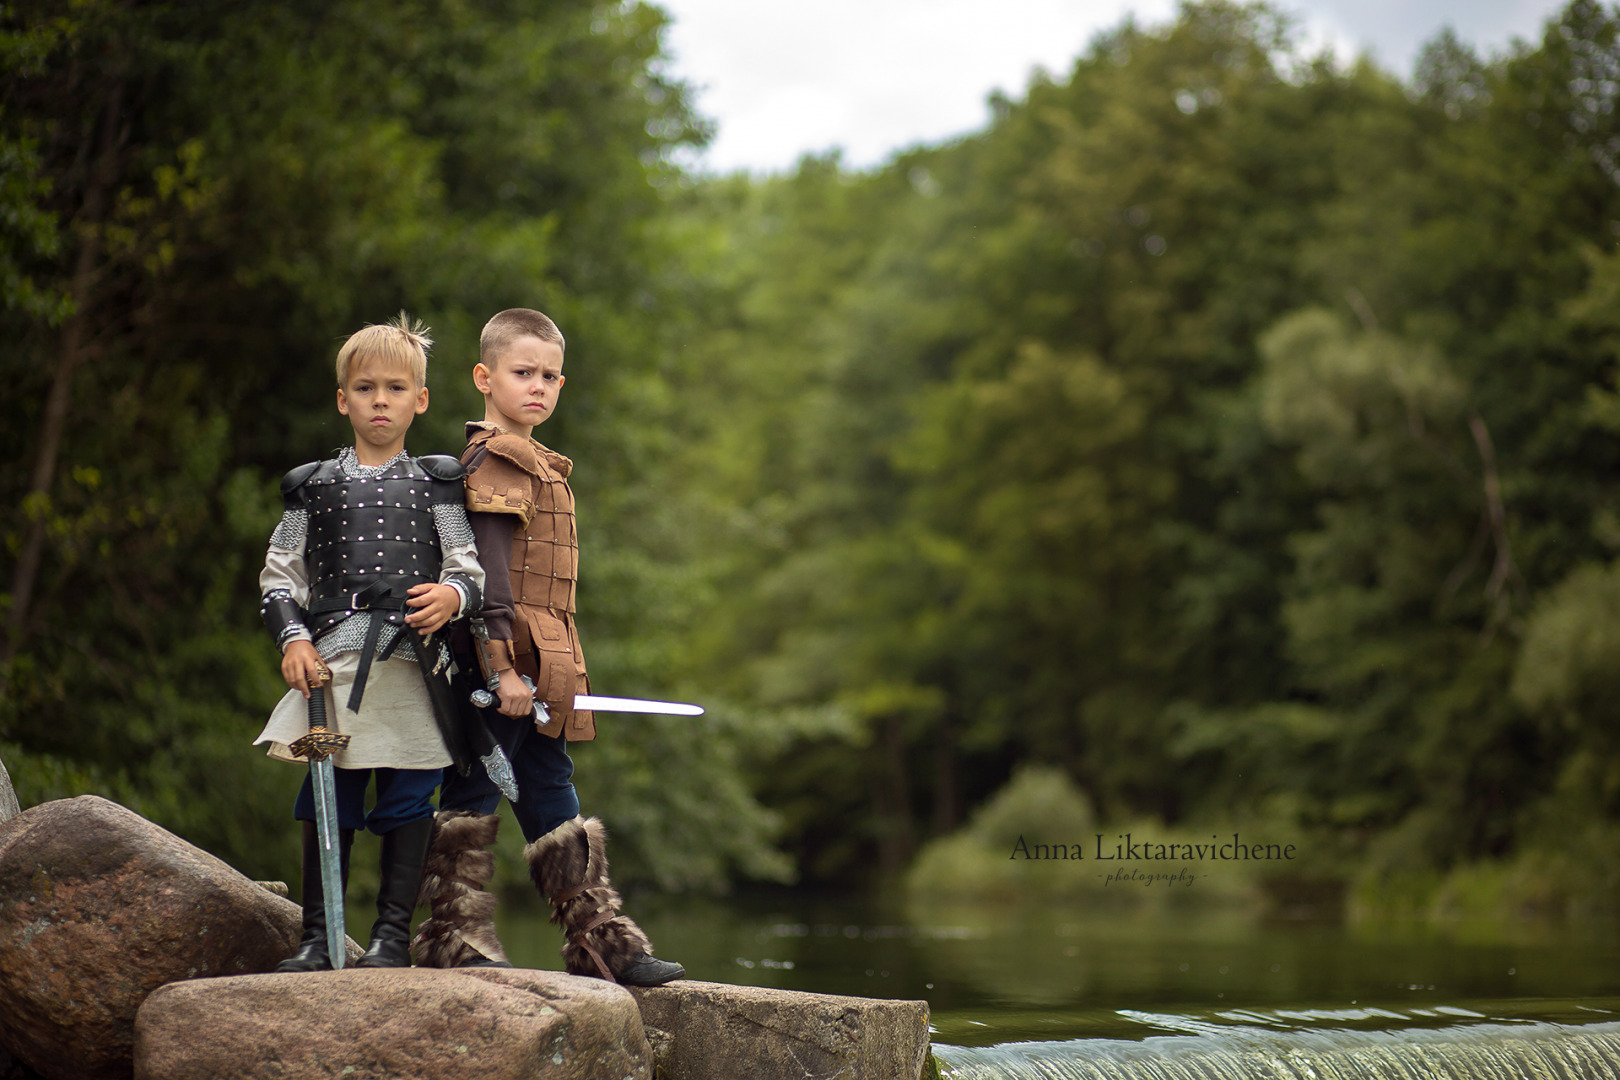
[(995, 974)]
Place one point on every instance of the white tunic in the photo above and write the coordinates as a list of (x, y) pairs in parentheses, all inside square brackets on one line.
[(394, 728)]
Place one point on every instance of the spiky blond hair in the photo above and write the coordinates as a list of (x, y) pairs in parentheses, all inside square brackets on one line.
[(403, 341)]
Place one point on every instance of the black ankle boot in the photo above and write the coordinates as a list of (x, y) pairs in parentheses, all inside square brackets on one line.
[(403, 853), (648, 970), (312, 953)]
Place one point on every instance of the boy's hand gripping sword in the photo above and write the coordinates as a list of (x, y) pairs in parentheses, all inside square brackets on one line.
[(319, 746)]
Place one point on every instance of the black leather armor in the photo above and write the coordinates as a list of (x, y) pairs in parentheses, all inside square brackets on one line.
[(370, 539)]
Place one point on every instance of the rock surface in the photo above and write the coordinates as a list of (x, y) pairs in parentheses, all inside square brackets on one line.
[(115, 935), (393, 1025), (712, 1031), (8, 796), (98, 908)]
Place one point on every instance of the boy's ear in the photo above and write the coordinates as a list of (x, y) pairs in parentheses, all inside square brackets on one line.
[(481, 377), (343, 402), (421, 401)]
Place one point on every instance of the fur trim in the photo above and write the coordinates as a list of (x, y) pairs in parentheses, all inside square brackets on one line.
[(569, 866), (466, 831), (561, 859), (461, 924)]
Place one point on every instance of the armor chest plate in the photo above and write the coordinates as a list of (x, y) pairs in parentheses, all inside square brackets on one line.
[(545, 556), (366, 530)]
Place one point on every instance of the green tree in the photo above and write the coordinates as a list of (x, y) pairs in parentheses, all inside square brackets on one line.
[(207, 199)]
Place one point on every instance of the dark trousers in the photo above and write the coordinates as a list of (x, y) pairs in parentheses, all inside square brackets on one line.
[(403, 796), (541, 766)]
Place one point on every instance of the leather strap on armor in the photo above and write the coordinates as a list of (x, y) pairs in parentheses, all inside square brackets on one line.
[(499, 657)]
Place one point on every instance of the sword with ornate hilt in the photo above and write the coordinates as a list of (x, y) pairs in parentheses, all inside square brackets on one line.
[(319, 746)]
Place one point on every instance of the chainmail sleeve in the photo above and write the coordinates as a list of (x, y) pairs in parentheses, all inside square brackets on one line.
[(460, 568), (284, 581)]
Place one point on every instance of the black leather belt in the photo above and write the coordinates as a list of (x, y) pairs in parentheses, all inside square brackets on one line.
[(378, 596)]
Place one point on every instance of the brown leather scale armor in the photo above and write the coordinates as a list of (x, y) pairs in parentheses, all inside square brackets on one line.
[(520, 477)]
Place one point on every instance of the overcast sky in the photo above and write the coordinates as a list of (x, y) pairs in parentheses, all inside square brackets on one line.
[(782, 77)]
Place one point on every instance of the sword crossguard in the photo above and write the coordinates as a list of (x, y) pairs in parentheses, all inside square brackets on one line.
[(542, 711), (319, 744)]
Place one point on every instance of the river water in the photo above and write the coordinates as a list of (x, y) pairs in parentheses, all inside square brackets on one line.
[(1069, 992)]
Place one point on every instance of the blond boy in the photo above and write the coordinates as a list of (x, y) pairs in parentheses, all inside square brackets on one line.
[(372, 545)]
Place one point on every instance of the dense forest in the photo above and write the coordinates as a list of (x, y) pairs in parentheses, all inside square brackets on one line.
[(1228, 427)]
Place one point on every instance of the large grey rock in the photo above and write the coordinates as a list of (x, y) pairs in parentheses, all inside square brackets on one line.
[(8, 796), (371, 1024), (98, 908), (712, 1031)]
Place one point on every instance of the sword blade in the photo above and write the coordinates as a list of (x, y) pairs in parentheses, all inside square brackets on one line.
[(597, 703), (326, 828), (323, 780)]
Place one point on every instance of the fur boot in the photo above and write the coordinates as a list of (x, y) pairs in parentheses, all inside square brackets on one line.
[(570, 868), (460, 928)]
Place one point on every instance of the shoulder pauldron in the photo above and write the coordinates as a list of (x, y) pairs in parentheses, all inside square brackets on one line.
[(442, 467), (294, 480)]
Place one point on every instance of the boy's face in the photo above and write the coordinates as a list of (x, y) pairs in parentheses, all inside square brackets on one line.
[(380, 400), (521, 392)]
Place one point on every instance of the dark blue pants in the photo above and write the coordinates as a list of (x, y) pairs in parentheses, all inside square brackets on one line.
[(403, 796), (542, 768)]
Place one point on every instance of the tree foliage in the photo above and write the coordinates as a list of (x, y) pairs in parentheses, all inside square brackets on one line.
[(200, 201), (1223, 426)]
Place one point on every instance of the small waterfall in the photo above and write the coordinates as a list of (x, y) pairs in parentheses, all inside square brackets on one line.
[(1453, 1044)]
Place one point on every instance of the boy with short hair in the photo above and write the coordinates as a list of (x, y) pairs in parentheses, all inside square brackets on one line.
[(372, 544), (522, 512)]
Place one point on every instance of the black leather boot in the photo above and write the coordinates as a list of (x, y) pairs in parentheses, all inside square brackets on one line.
[(312, 953), (403, 853)]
